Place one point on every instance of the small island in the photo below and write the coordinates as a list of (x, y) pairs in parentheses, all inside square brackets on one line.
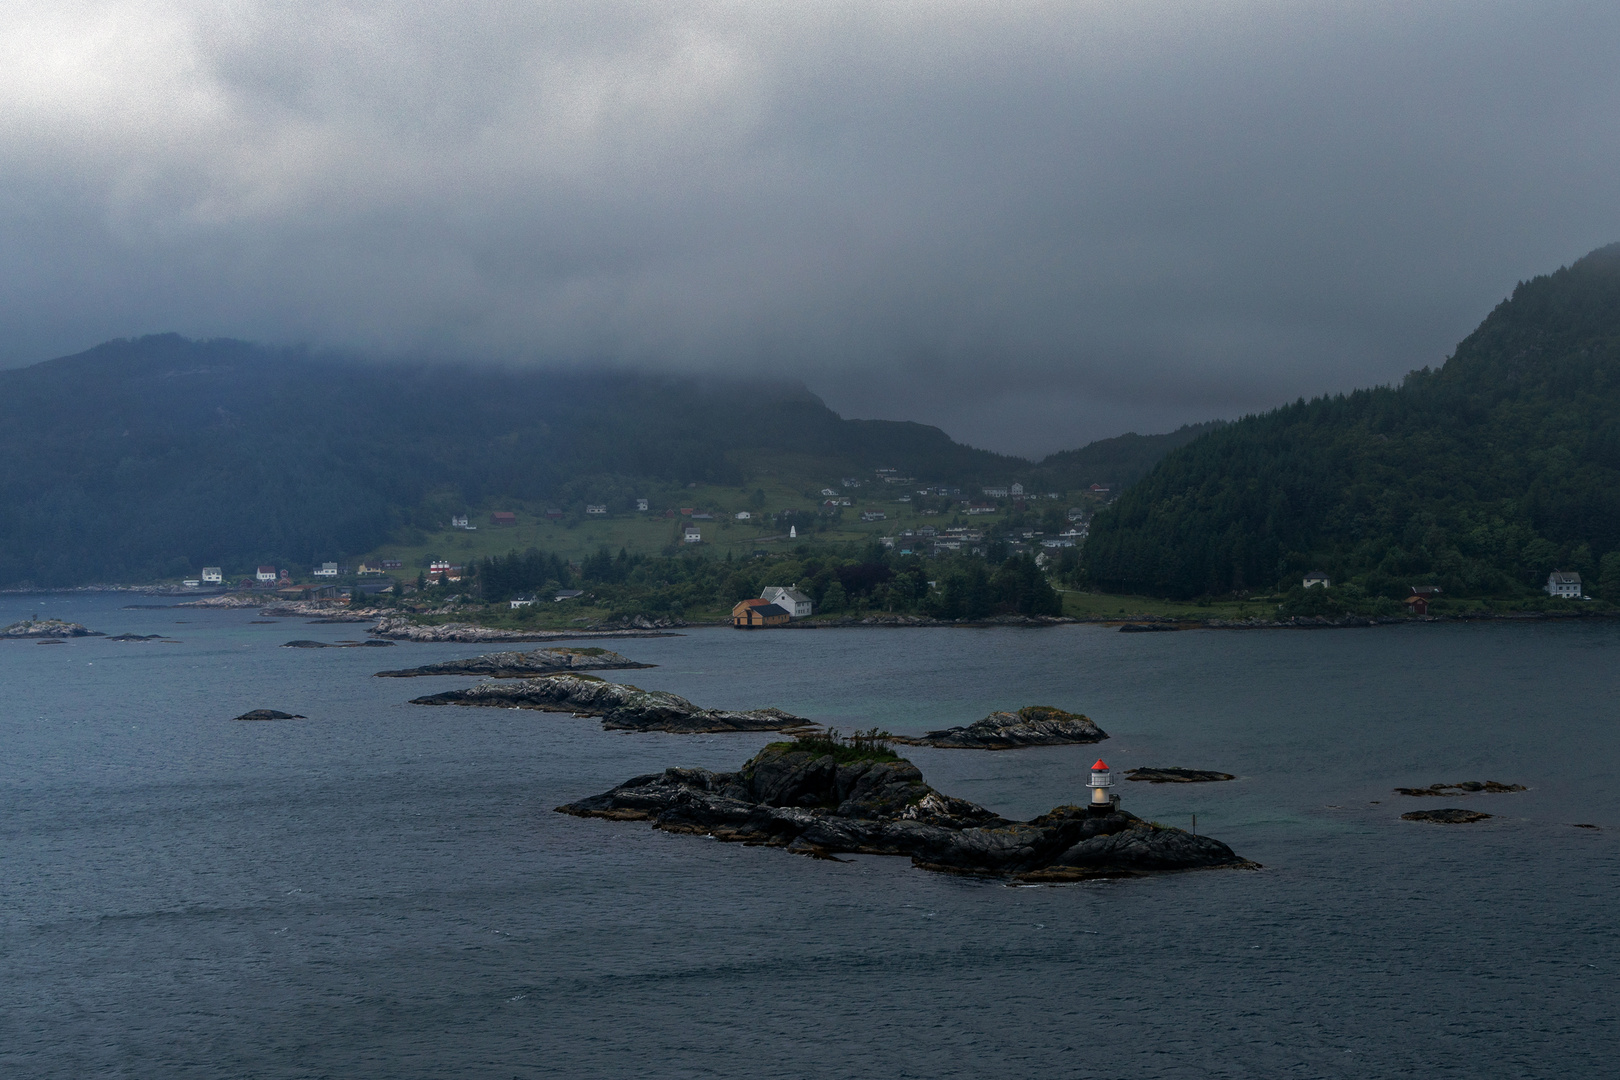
[(621, 706), (521, 665), (820, 795), (1174, 775), (270, 714), (47, 628), (1448, 816), (1033, 725), (1463, 787)]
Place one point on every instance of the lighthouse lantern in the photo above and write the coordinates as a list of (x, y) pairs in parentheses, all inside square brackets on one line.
[(1101, 780)]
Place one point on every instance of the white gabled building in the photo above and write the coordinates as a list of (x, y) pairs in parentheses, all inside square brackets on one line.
[(211, 575), (327, 569), (1564, 584), (792, 601), (692, 535), (265, 573)]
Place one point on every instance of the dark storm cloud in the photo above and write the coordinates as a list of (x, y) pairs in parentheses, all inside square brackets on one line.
[(1032, 223)]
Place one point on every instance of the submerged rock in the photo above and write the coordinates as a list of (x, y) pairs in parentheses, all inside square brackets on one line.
[(270, 714), (1178, 776), (522, 665), (621, 706), (47, 628), (136, 637), (336, 644), (1466, 787), (1448, 816), (822, 803), (1033, 725)]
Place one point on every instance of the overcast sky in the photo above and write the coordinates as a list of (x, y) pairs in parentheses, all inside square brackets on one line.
[(1033, 224)]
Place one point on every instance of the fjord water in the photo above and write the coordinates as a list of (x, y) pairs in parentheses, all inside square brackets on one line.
[(384, 889)]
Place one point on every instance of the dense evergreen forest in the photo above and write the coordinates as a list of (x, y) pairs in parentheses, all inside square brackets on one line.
[(148, 458), (1480, 477)]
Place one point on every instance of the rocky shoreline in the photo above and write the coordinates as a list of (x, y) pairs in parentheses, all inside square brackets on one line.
[(620, 706), (800, 796), (1033, 725), (521, 665)]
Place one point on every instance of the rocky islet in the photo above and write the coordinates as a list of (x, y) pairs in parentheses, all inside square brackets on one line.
[(814, 797), (620, 706), (522, 665), (1033, 725)]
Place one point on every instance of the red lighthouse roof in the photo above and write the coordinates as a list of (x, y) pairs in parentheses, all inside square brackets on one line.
[(1101, 764)]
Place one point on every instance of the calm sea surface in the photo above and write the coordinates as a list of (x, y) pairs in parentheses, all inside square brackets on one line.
[(383, 890)]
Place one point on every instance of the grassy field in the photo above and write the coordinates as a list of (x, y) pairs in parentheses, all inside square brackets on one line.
[(651, 532)]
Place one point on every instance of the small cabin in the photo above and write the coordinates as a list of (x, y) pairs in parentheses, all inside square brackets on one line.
[(1315, 578), (1417, 605), (757, 614)]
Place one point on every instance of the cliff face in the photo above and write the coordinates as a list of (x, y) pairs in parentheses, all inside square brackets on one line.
[(814, 804)]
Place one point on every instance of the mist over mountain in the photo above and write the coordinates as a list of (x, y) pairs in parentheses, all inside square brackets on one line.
[(150, 457)]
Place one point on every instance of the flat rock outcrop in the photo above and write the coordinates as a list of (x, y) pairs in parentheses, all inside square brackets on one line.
[(824, 803), (1147, 627), (401, 629), (229, 600), (1178, 776), (522, 665), (47, 628), (1033, 725), (1449, 816), (1465, 787), (622, 707), (270, 714)]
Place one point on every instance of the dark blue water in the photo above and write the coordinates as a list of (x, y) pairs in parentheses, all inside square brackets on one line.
[(383, 889)]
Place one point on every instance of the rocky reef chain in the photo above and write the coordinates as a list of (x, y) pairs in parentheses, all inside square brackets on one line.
[(1033, 725), (825, 803), (621, 706), (522, 665)]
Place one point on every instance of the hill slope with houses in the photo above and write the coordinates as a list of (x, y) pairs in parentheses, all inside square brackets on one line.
[(1481, 478), (150, 458)]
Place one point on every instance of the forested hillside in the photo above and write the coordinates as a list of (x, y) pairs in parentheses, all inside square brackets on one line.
[(1480, 477), (148, 458)]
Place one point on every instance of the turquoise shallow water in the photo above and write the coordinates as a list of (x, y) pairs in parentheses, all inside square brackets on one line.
[(384, 890)]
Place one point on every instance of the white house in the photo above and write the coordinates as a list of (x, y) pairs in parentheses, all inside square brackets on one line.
[(1562, 584), (692, 534), (1315, 578), (792, 601), (641, 504), (600, 509), (996, 492), (327, 569), (521, 601), (212, 576), (1016, 490), (459, 521), (265, 573), (743, 515), (873, 515)]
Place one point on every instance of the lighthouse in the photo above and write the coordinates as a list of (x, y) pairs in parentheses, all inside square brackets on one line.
[(1102, 801)]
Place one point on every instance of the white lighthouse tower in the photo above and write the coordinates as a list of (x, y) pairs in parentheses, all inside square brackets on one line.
[(1102, 800)]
